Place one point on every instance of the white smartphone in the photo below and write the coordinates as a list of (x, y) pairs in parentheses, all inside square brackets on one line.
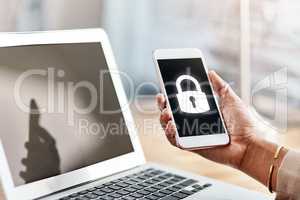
[(184, 81)]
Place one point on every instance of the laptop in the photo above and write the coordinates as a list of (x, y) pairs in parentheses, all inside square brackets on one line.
[(67, 132)]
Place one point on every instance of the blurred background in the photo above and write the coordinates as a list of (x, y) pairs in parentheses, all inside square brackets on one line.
[(254, 45), (137, 27)]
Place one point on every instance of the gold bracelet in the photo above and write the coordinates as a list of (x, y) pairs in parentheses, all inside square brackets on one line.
[(276, 156)]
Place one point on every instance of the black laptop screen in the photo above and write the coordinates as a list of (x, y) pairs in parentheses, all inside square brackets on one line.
[(59, 110)]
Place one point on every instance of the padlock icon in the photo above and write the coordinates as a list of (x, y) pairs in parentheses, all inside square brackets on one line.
[(191, 101)]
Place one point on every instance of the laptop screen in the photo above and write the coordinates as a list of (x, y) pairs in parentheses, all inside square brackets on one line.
[(59, 110)]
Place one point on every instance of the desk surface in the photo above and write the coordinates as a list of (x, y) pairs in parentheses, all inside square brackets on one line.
[(157, 149)]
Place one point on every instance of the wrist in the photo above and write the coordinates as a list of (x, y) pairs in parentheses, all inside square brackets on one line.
[(250, 148), (258, 158)]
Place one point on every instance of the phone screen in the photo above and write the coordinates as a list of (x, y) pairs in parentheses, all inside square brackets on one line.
[(191, 97)]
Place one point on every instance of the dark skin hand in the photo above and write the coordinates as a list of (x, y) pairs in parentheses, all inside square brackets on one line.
[(246, 151)]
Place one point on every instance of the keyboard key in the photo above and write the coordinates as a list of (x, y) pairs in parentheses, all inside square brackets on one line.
[(144, 184), (108, 183), (206, 185), (188, 182), (169, 182), (168, 174), (136, 195), (149, 175), (115, 181), (99, 193), (131, 181), (179, 177), (166, 191), (196, 186), (151, 181), (156, 179), (143, 177), (106, 190), (114, 187), (130, 189), (122, 184), (91, 196), (100, 186), (74, 195), (151, 189), (169, 198), (179, 195), (106, 198), (159, 194), (138, 187), (123, 179), (174, 180), (123, 192), (139, 173), (161, 177), (128, 198), (152, 197), (82, 198), (187, 192), (143, 192), (156, 172), (164, 184), (178, 186), (158, 187), (173, 188), (83, 192), (115, 195)]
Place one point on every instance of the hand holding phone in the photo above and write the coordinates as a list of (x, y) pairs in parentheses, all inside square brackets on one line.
[(236, 115), (185, 83)]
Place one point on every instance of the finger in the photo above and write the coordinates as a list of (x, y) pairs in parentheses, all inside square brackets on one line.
[(171, 132), (165, 117), (221, 87), (161, 101), (218, 83)]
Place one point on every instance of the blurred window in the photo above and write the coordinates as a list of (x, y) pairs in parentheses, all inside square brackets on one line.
[(138, 27), (275, 57)]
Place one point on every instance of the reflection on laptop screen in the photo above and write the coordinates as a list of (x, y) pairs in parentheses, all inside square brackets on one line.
[(59, 110)]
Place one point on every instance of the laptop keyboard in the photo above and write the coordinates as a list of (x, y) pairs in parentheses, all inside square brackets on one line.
[(148, 184)]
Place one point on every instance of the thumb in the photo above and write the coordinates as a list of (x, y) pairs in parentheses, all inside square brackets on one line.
[(220, 86)]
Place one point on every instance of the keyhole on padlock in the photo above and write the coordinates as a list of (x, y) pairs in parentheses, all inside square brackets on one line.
[(192, 99)]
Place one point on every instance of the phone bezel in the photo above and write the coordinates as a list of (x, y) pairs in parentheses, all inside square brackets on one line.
[(190, 142)]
